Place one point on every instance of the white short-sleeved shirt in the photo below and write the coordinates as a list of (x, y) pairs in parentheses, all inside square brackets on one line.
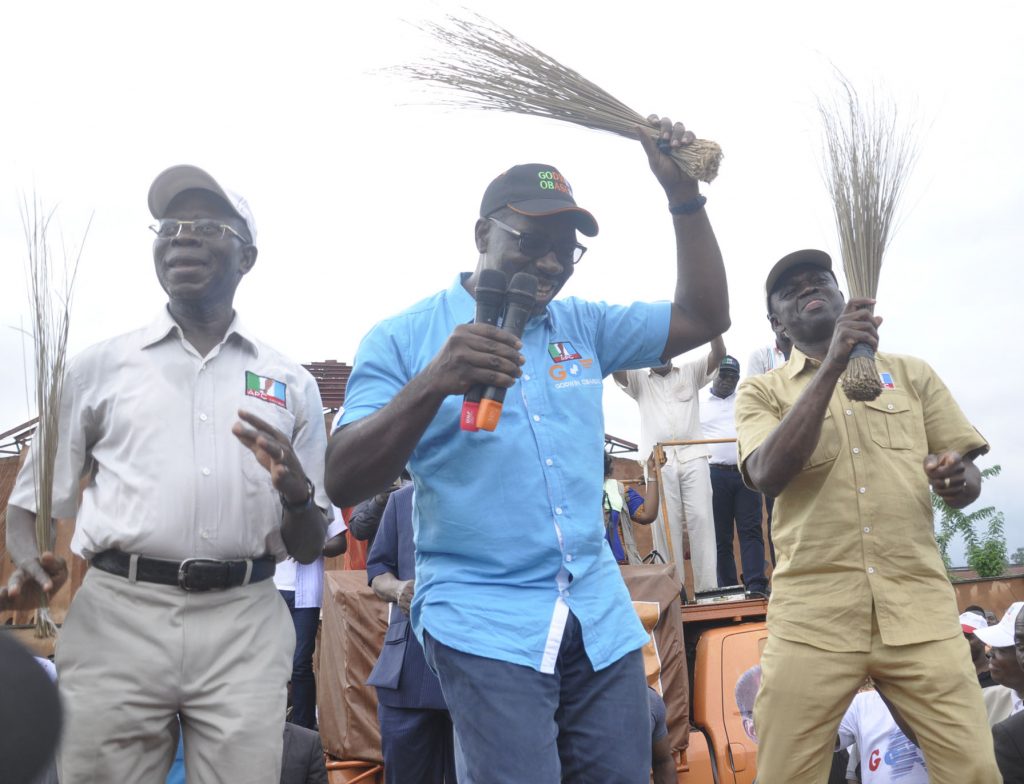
[(149, 421), (886, 755), (718, 420), (669, 406), (764, 359)]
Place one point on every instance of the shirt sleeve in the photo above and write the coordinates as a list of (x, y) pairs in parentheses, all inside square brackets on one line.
[(378, 374), (309, 438), (78, 430), (849, 726), (946, 426), (697, 371), (757, 363), (634, 500), (758, 413), (632, 336), (630, 387), (383, 555)]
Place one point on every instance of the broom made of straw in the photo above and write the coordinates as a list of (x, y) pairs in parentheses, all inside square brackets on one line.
[(492, 69), (868, 156), (50, 299)]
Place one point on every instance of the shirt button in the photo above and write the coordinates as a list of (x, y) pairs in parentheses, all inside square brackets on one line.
[(856, 450), (206, 472), (867, 529), (536, 417), (871, 570), (549, 462), (205, 534), (558, 510), (889, 406), (849, 412), (203, 417), (568, 557), (862, 490), (526, 376)]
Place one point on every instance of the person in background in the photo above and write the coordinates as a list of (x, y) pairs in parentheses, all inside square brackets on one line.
[(972, 619), (667, 396), (622, 508), (1004, 699), (1008, 735), (733, 503), (886, 755), (416, 734), (663, 763), (365, 518), (302, 588)]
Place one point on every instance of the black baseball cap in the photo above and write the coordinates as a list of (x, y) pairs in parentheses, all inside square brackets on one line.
[(817, 258), (729, 365), (535, 189)]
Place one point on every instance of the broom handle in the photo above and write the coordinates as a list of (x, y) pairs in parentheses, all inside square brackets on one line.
[(863, 350)]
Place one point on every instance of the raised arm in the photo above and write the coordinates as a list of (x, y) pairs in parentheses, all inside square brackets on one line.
[(647, 512), (783, 454), (716, 355), (700, 307), (365, 456)]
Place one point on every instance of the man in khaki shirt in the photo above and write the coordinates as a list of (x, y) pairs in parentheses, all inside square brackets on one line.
[(860, 588)]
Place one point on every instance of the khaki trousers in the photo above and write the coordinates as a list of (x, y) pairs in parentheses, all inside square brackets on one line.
[(132, 657), (805, 692)]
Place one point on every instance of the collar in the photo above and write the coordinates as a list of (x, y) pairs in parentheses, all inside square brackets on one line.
[(798, 360), (164, 324)]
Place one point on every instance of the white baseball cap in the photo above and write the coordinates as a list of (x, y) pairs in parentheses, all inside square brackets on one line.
[(1001, 635), (971, 621), (177, 179)]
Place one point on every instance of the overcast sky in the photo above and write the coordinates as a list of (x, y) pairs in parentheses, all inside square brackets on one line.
[(365, 195)]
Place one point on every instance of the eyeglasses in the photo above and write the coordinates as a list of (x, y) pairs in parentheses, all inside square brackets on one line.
[(536, 245), (204, 229)]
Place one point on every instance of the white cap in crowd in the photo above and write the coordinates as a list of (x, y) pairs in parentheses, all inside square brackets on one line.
[(1001, 635), (971, 621)]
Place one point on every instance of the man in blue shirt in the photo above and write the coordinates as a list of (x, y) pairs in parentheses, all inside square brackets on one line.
[(519, 602)]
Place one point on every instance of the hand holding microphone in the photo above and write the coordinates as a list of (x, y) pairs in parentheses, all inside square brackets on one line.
[(490, 299), (519, 303)]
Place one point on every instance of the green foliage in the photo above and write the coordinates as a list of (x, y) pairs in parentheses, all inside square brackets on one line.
[(1018, 556), (986, 552)]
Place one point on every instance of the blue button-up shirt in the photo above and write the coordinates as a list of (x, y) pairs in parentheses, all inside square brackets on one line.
[(509, 529)]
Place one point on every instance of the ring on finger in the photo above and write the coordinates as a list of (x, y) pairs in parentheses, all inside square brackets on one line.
[(946, 485)]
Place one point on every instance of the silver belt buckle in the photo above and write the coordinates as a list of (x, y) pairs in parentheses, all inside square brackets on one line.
[(183, 573)]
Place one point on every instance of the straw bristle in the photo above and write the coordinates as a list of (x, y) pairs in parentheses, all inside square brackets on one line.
[(484, 66), (50, 300), (868, 156)]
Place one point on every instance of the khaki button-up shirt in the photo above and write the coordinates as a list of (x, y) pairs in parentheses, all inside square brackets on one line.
[(151, 420), (854, 529)]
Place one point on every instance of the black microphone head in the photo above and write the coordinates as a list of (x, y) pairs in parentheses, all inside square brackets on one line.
[(490, 286), (523, 289)]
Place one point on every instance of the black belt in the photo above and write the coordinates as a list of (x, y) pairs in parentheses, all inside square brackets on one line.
[(726, 466), (192, 574)]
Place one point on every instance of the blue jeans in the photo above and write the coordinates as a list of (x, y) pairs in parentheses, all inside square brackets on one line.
[(514, 724), (733, 500), (306, 620)]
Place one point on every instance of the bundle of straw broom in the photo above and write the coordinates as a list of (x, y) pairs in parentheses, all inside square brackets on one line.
[(489, 68), (50, 300), (868, 156)]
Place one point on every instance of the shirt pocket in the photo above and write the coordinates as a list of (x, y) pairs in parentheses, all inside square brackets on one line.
[(891, 421), (827, 448)]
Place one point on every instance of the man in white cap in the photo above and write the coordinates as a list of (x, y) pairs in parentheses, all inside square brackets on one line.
[(202, 449), (1003, 699)]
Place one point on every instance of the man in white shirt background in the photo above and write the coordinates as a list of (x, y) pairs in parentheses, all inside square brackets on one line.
[(669, 411)]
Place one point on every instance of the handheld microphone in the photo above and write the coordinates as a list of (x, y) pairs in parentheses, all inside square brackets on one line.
[(490, 299), (520, 300)]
